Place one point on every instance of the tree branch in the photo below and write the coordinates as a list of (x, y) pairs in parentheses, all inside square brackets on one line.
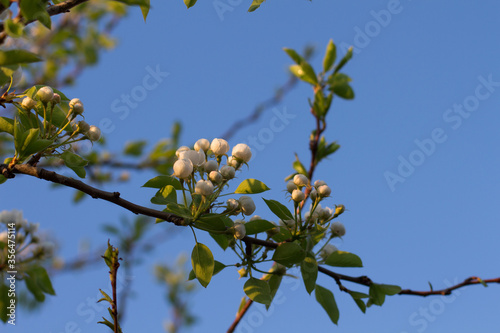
[(95, 193)]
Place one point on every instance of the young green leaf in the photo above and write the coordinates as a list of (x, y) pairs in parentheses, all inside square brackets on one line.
[(7, 125), (255, 4), (258, 291), (164, 196), (189, 3), (279, 209), (330, 56), (218, 266), (35, 10), (289, 254), (251, 186), (309, 271), (343, 259), (203, 264), (211, 222), (134, 148), (13, 29), (162, 181), (294, 55), (299, 167), (283, 235), (357, 297), (344, 60), (326, 299), (258, 226)]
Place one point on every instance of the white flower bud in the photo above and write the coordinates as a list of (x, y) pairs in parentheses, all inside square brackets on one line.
[(204, 187), (326, 213), (313, 194), (232, 162), (232, 204), (227, 172), (290, 186), (196, 157), (56, 99), (219, 146), (338, 229), (210, 166), (255, 217), (339, 210), (239, 229), (215, 177), (247, 205), (76, 105), (83, 127), (324, 191), (45, 94), (298, 195), (94, 133), (327, 250), (28, 103), (318, 183), (183, 168), (202, 144), (242, 151), (290, 224), (181, 149), (300, 180)]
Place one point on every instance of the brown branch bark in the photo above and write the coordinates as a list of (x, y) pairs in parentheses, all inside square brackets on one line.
[(113, 197)]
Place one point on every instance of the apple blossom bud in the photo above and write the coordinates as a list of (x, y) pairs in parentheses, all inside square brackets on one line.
[(255, 217), (339, 210), (324, 191), (326, 213), (215, 177), (338, 229), (219, 146), (28, 103), (83, 127), (313, 194), (300, 180), (181, 149), (56, 99), (239, 229), (210, 166), (247, 205), (232, 162), (204, 187), (227, 172), (242, 151), (318, 183), (202, 144), (290, 186), (232, 204), (196, 157), (298, 195), (327, 250), (45, 94), (76, 105), (94, 133), (183, 168)]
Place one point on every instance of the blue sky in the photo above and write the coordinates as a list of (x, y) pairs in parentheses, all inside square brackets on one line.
[(412, 72)]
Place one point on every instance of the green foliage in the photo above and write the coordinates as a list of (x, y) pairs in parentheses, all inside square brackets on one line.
[(326, 299), (279, 209), (343, 259), (258, 291), (309, 271), (203, 263), (251, 186), (289, 254)]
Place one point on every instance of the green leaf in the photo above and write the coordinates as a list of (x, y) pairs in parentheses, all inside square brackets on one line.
[(330, 55), (134, 148), (211, 222), (222, 240), (274, 284), (189, 3), (14, 30), (203, 264), (251, 186), (283, 235), (6, 73), (34, 289), (357, 297), (344, 60), (480, 281), (255, 4), (389, 289), (142, 3), (7, 125), (37, 145), (35, 10), (300, 72), (258, 291), (41, 278), (164, 196), (74, 162), (279, 209), (218, 266), (105, 297), (343, 259), (289, 254), (309, 271), (145, 9), (377, 296), (179, 210), (294, 55), (299, 167), (258, 226), (162, 181), (326, 299)]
